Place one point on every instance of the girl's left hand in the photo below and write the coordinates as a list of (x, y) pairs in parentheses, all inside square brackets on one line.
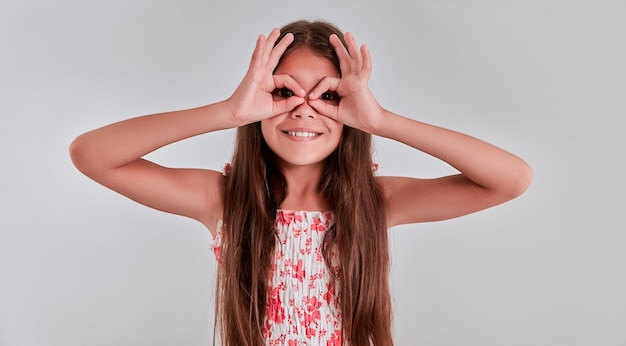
[(357, 106)]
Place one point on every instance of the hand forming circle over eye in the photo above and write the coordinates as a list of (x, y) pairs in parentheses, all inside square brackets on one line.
[(255, 97), (348, 99)]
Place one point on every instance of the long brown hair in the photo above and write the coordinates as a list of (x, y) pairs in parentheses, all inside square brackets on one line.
[(254, 191)]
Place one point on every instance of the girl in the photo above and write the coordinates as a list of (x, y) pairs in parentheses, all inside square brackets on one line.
[(299, 219)]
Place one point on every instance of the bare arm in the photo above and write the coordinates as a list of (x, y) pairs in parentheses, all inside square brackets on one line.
[(489, 175), (112, 155)]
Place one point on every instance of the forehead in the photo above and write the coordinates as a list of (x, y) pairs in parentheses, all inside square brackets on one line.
[(305, 66)]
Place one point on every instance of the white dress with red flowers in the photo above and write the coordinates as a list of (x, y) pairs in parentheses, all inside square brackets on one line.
[(302, 304)]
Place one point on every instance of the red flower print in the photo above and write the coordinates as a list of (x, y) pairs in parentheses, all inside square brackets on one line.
[(267, 329), (313, 315), (314, 305), (328, 296), (309, 328), (298, 270), (312, 280), (227, 169), (288, 216), (275, 310), (216, 244), (302, 304), (335, 339), (318, 254), (285, 216), (317, 225)]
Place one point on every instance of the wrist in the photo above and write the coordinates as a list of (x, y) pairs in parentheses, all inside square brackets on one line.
[(381, 127), (232, 113), (216, 116)]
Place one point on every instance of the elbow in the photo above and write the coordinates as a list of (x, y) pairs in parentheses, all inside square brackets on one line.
[(520, 180), (79, 154)]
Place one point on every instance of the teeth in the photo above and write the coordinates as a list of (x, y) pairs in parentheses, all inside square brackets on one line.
[(302, 134)]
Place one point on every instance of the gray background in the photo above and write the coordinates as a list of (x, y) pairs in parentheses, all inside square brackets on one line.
[(80, 265)]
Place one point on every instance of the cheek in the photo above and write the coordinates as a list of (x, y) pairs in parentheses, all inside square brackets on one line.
[(266, 129), (335, 127), (337, 135), (269, 134)]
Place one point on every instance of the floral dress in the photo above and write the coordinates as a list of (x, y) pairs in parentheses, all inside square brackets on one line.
[(302, 304)]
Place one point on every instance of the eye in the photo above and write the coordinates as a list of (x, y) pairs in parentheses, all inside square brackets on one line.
[(283, 92), (330, 97)]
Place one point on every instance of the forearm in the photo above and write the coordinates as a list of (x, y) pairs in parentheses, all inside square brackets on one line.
[(120, 143), (484, 164)]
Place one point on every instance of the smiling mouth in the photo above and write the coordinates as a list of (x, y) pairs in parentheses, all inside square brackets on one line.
[(302, 134)]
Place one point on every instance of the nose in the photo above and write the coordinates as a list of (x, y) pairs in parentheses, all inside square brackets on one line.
[(303, 111)]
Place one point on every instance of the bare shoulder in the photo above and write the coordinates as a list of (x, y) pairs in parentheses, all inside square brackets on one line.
[(191, 192), (211, 185), (396, 193)]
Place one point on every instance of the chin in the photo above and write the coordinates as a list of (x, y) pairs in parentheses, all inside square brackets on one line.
[(300, 161)]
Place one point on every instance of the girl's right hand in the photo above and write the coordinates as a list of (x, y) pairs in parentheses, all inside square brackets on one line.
[(254, 100)]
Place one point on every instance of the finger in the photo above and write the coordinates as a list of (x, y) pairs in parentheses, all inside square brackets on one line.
[(278, 51), (355, 53), (342, 54), (258, 49), (324, 108), (286, 81), (286, 105), (367, 60), (271, 40), (324, 85)]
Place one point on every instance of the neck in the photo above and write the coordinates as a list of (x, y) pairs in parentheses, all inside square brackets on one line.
[(303, 188)]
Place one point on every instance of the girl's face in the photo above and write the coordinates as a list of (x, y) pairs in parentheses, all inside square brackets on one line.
[(303, 136)]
